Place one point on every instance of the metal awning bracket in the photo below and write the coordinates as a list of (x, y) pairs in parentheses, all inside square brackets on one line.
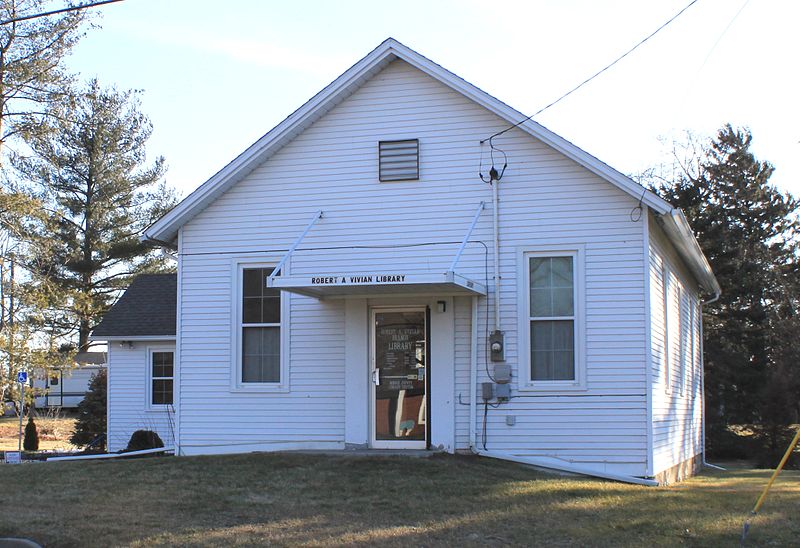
[(279, 266), (466, 237)]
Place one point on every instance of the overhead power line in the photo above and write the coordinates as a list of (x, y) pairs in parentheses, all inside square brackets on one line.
[(596, 74), (55, 12)]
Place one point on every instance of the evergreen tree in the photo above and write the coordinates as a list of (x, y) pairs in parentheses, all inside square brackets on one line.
[(33, 86), (91, 421), (748, 230), (31, 440), (89, 172), (33, 83)]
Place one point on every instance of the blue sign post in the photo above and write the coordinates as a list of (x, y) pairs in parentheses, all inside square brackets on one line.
[(22, 377)]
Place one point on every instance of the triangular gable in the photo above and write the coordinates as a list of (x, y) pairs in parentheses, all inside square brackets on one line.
[(165, 230)]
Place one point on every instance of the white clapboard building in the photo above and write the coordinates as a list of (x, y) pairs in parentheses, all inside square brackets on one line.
[(65, 387), (360, 277)]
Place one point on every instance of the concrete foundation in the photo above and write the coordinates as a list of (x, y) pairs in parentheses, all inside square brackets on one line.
[(680, 472)]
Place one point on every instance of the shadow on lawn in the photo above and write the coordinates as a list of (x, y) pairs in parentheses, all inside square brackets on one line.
[(308, 499), (512, 510)]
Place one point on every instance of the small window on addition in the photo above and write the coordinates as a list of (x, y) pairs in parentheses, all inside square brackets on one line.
[(162, 368), (399, 160)]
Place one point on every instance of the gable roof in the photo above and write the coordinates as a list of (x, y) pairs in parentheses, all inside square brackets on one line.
[(165, 230), (147, 309)]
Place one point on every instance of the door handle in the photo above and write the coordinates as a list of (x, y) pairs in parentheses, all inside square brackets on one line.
[(376, 377)]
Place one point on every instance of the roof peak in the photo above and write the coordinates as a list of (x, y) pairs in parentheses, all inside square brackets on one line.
[(166, 228)]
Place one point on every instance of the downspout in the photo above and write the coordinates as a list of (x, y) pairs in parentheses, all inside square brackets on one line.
[(473, 376), (572, 468), (703, 382)]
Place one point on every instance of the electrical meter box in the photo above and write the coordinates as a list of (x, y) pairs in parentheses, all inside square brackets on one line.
[(497, 346), (502, 373)]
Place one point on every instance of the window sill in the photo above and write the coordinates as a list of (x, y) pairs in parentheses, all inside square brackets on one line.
[(159, 408), (260, 388), (554, 387)]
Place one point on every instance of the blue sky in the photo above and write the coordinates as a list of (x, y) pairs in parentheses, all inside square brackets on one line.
[(218, 75)]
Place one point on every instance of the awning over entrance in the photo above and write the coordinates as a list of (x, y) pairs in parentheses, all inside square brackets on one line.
[(389, 283), (321, 285)]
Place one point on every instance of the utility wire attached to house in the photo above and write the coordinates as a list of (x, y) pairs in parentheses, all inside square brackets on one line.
[(592, 77)]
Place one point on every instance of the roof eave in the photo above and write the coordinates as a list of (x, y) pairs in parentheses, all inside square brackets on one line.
[(132, 338), (682, 238)]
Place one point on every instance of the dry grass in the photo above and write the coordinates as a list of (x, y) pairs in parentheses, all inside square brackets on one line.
[(293, 499), (54, 432)]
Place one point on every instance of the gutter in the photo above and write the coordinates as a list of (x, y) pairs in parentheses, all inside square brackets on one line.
[(682, 238), (703, 385), (575, 469), (144, 238)]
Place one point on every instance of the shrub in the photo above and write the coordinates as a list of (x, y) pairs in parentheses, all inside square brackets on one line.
[(144, 439), (31, 441), (730, 442), (91, 421), (772, 445)]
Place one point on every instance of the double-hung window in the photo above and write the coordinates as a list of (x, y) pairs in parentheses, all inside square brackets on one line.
[(162, 367), (260, 328), (683, 338), (552, 312)]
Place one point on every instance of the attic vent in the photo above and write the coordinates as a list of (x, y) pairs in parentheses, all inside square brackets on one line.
[(399, 160)]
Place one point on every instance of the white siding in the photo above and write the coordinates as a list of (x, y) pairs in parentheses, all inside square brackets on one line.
[(70, 390), (546, 200), (675, 328), (128, 383)]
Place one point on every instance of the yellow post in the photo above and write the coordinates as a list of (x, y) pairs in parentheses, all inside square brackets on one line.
[(763, 496)]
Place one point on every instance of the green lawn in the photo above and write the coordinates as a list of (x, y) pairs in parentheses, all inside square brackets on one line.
[(322, 500)]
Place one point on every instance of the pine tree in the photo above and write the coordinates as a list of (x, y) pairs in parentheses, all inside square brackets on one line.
[(31, 440), (748, 230), (89, 171), (91, 421), (32, 80), (33, 87)]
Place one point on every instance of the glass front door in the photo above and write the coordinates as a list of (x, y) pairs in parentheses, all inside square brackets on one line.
[(399, 377)]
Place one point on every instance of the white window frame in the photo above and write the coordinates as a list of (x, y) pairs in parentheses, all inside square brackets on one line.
[(524, 382), (683, 339), (238, 266), (150, 378), (666, 299)]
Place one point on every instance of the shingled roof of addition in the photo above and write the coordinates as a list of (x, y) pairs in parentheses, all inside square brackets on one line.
[(147, 308)]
